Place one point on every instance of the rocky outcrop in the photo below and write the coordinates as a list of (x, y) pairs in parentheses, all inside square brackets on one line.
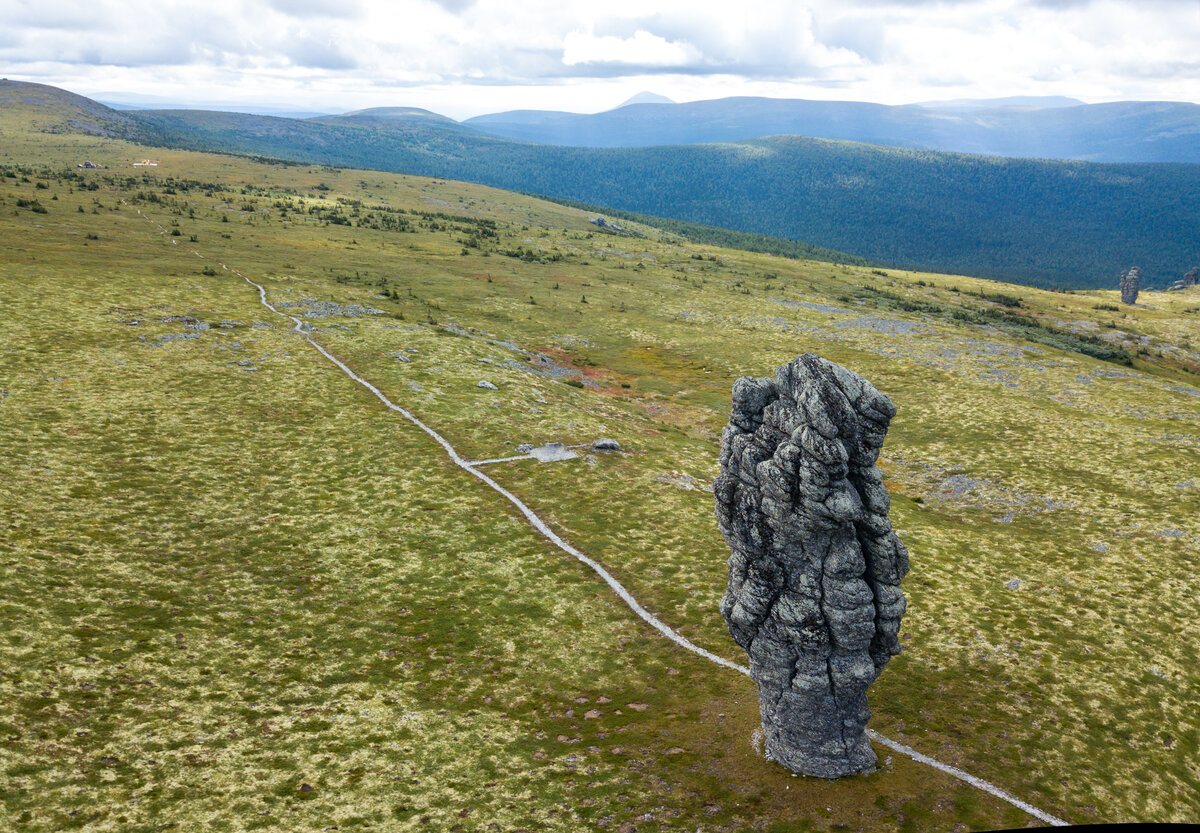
[(1130, 283), (1189, 279), (814, 570)]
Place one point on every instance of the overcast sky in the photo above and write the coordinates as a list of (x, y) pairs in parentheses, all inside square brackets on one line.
[(467, 57)]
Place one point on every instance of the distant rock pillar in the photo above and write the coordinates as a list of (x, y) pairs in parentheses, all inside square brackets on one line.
[(814, 570), (1192, 277), (1130, 283)]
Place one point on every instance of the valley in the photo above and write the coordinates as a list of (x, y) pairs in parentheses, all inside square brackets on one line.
[(242, 593), (1047, 223)]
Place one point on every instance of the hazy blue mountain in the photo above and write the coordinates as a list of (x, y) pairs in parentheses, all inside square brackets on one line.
[(381, 114), (1066, 223), (645, 97), (1038, 101), (131, 101), (1029, 221), (1129, 131)]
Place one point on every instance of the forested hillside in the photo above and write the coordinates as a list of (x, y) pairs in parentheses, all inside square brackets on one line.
[(243, 590), (1028, 221), (1121, 131), (1047, 223)]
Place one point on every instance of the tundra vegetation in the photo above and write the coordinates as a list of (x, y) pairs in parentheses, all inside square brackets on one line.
[(1044, 222), (238, 593)]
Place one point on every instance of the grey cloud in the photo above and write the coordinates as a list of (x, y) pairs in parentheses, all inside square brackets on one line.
[(768, 56), (758, 72), (317, 8), (1060, 4), (202, 40), (917, 4), (944, 81), (455, 6), (1161, 70), (47, 16), (159, 53), (315, 54), (59, 48), (828, 83), (771, 50), (863, 37)]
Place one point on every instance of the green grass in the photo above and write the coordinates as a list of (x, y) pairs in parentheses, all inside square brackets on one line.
[(256, 599)]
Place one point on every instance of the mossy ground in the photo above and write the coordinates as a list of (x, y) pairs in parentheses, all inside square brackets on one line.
[(247, 598)]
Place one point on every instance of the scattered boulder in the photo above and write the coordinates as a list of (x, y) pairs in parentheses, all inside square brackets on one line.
[(605, 444), (524, 448), (600, 222), (1189, 279), (552, 453), (1130, 283), (486, 385), (815, 568), (1013, 584)]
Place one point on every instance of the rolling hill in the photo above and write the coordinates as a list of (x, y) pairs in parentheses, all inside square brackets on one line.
[(240, 592), (1126, 131), (1048, 223), (50, 109)]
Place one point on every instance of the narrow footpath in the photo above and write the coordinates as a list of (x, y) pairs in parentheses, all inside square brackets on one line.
[(537, 523)]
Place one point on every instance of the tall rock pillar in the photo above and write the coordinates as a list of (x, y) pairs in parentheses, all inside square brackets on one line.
[(1130, 283), (814, 570)]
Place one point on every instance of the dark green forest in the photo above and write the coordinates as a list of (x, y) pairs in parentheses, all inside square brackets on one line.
[(1045, 223), (727, 238)]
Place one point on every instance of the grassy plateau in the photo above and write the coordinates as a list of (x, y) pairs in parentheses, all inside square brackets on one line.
[(237, 593)]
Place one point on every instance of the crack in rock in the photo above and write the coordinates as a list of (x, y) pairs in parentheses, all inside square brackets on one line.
[(815, 568)]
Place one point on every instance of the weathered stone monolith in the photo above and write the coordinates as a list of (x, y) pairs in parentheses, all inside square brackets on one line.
[(1192, 276), (1130, 283), (814, 570)]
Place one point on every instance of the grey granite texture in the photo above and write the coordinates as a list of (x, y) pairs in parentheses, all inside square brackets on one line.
[(1130, 283), (814, 570)]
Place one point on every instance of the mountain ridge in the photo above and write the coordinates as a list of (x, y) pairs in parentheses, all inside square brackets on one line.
[(1046, 223), (1138, 131)]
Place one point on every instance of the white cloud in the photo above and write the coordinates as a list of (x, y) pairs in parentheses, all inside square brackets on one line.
[(317, 8), (587, 55), (642, 49)]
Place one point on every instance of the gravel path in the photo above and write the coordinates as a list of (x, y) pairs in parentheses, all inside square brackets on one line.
[(618, 588)]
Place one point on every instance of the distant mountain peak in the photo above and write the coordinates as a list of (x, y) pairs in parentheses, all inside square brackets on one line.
[(396, 113), (645, 97), (1037, 102)]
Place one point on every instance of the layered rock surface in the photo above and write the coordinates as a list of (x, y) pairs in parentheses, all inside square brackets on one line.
[(1189, 279), (1130, 284), (814, 571)]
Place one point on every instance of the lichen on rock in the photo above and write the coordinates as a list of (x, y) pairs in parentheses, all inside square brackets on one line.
[(814, 571)]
